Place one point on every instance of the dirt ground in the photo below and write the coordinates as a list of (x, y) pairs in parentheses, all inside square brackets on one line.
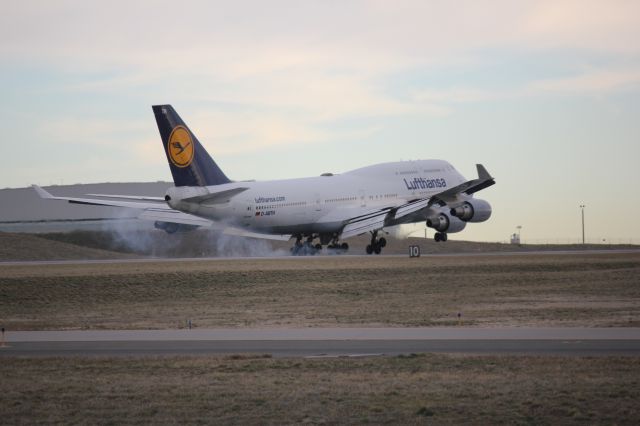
[(593, 289), (414, 389)]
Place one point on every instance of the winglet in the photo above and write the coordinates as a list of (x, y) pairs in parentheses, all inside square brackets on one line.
[(483, 174), (42, 193)]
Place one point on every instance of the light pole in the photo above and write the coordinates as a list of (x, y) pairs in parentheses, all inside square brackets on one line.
[(582, 206)]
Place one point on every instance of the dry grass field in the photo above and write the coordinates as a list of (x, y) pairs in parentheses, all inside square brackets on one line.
[(587, 289), (203, 243), (516, 290), (416, 389), (32, 247)]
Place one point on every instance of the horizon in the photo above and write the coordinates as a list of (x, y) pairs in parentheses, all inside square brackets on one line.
[(544, 94)]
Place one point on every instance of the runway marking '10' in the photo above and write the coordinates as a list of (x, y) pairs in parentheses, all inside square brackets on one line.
[(414, 251)]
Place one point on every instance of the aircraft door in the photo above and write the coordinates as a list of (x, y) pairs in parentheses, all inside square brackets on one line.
[(248, 212)]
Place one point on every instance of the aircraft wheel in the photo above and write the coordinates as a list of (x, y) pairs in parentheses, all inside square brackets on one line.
[(382, 242), (345, 247), (444, 237), (437, 238), (318, 247), (369, 249), (377, 249)]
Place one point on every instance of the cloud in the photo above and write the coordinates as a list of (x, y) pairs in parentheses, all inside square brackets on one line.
[(267, 75), (593, 82), (250, 38), (454, 95), (611, 26), (233, 133), (80, 130), (598, 81)]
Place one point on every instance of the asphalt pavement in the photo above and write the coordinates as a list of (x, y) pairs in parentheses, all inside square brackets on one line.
[(326, 342)]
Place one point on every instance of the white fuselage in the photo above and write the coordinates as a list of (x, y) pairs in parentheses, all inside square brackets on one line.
[(323, 203)]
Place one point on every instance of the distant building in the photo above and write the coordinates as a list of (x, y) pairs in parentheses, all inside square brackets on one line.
[(21, 210)]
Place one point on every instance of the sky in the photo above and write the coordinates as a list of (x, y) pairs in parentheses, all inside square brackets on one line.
[(545, 94)]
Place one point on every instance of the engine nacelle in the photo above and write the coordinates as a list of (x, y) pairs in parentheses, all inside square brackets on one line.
[(445, 223), (472, 211), (172, 228)]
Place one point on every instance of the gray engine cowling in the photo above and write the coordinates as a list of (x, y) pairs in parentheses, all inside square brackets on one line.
[(472, 211), (442, 222)]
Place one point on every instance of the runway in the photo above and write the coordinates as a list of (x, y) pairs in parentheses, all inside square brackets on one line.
[(327, 342), (302, 258)]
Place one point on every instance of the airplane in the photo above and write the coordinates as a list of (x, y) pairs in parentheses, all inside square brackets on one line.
[(329, 208)]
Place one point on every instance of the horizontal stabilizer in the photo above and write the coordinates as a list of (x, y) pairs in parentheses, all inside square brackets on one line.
[(216, 197)]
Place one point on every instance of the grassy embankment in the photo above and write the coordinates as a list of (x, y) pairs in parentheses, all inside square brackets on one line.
[(539, 290), (203, 243)]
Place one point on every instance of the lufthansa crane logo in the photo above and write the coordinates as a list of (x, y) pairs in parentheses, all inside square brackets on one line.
[(180, 147)]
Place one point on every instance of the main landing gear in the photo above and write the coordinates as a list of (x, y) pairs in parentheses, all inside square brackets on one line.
[(335, 247), (307, 248), (440, 236), (376, 243)]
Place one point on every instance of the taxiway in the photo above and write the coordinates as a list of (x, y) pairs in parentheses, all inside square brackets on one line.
[(324, 342)]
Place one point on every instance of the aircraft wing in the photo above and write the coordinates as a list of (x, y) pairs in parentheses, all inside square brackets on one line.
[(160, 211), (128, 197), (95, 202), (469, 187), (175, 216), (212, 198), (377, 220)]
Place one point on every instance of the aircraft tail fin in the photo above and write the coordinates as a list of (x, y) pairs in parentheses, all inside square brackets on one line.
[(189, 162)]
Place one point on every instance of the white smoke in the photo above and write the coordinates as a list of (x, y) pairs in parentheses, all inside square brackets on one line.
[(405, 231), (234, 246), (135, 235)]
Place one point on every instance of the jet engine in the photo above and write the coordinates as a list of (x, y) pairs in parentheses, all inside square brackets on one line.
[(445, 223), (472, 211), (172, 228)]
